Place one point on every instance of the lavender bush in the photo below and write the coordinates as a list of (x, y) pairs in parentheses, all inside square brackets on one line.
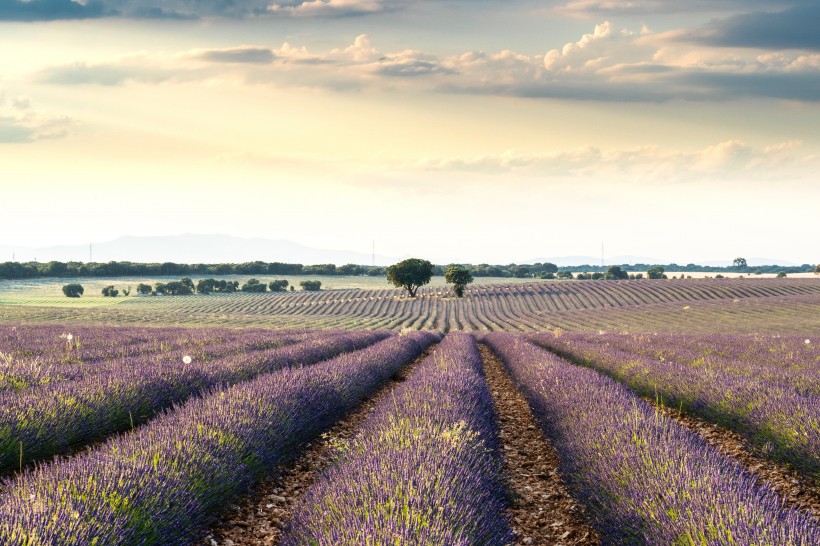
[(159, 484), (643, 478), (424, 469), (72, 413), (775, 417)]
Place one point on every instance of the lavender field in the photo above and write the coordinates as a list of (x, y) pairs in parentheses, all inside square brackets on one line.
[(150, 435)]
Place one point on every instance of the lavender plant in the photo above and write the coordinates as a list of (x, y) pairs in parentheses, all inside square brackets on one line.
[(159, 484), (37, 425), (782, 422), (643, 478), (424, 468)]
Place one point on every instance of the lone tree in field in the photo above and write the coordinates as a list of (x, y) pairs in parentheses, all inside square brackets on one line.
[(739, 262), (459, 276), (410, 274), (73, 290), (655, 272)]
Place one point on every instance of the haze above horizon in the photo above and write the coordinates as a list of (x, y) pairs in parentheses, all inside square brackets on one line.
[(460, 131)]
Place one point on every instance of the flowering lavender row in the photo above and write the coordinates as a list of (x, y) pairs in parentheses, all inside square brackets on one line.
[(51, 357), (643, 478), (424, 469), (160, 484), (785, 424), (788, 361), (38, 425)]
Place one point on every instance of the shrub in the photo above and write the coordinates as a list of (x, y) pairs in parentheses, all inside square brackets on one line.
[(73, 290), (110, 292), (144, 289), (278, 285), (253, 285), (311, 286)]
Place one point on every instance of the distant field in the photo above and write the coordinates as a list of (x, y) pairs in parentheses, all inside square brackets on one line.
[(775, 306), (48, 291)]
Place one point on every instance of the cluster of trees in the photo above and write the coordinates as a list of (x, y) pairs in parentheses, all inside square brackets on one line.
[(186, 286), (28, 270), (413, 273)]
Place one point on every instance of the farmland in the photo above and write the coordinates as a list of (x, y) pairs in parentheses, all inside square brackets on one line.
[(582, 412), (777, 306)]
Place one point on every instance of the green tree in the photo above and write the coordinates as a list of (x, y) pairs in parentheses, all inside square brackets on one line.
[(110, 292), (311, 286), (459, 276), (206, 286), (781, 274), (410, 274), (279, 285), (565, 274), (144, 289), (73, 290), (253, 285), (655, 272), (616, 273), (739, 262)]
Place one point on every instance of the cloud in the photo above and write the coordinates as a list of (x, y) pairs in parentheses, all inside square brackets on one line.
[(729, 160), (20, 122), (241, 54), (49, 10), (607, 64), (52, 10), (329, 8), (610, 8), (793, 28)]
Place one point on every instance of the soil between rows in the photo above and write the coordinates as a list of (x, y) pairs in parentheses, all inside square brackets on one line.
[(259, 518), (795, 490), (542, 512)]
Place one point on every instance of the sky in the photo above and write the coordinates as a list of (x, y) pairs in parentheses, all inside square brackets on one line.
[(453, 130)]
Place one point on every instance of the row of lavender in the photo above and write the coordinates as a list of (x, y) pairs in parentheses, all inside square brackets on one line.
[(789, 361), (160, 484), (37, 425), (643, 478), (32, 357), (423, 469), (782, 422)]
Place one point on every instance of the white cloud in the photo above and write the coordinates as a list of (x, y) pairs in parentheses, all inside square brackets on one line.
[(608, 64), (729, 160), (20, 122), (328, 8)]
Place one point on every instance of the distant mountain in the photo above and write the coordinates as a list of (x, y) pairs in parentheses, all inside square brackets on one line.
[(193, 248), (563, 261), (749, 261)]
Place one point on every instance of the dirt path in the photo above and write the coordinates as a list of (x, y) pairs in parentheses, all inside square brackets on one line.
[(542, 511), (796, 490), (258, 519)]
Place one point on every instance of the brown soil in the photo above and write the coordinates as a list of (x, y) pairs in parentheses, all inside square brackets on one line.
[(542, 511), (259, 518), (796, 490)]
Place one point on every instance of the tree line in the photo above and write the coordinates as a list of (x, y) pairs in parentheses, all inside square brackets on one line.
[(31, 270)]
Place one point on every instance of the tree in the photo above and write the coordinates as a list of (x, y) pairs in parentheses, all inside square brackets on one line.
[(410, 274), (253, 285), (616, 273), (739, 262), (781, 274), (279, 285), (565, 274), (655, 272), (206, 286), (459, 276), (110, 292), (144, 289), (817, 269), (73, 290), (311, 286)]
